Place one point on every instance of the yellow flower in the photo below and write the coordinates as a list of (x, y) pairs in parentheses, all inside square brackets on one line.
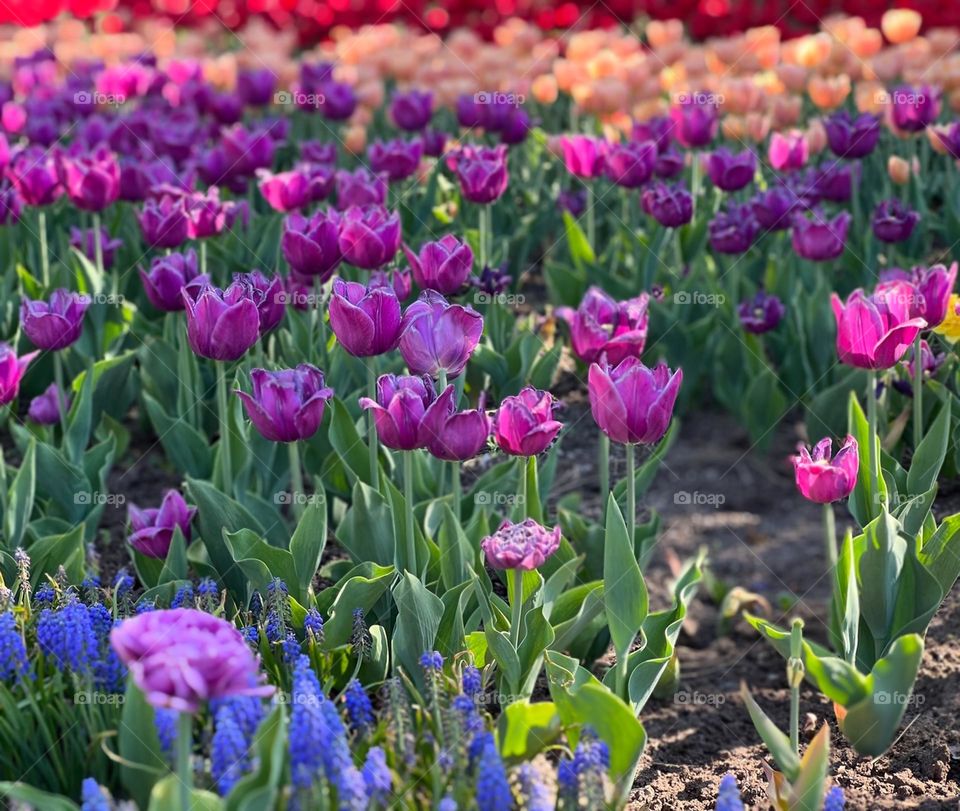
[(950, 328)]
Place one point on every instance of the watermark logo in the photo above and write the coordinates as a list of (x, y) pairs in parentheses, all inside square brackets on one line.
[(286, 497), (900, 97), (698, 499), (296, 97), (298, 299), (111, 299), (699, 98), (99, 699), (85, 497), (492, 498), (94, 98), (503, 299), (696, 698), (888, 698), (699, 297), (498, 98)]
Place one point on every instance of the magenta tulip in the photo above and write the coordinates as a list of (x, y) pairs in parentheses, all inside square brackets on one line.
[(366, 320), (603, 326), (631, 403), (437, 336), (524, 546), (286, 405), (12, 370), (151, 530), (54, 324), (399, 410), (874, 332), (369, 237), (450, 434), (823, 480), (443, 265), (221, 324), (524, 424)]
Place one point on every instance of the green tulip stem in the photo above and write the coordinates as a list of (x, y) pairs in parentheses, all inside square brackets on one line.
[(184, 747), (61, 394), (591, 218), (631, 491), (97, 243), (830, 535), (372, 439), (483, 233), (455, 488), (872, 434), (297, 495), (604, 463), (795, 670), (226, 466), (203, 256), (44, 249), (408, 502), (917, 394), (516, 608)]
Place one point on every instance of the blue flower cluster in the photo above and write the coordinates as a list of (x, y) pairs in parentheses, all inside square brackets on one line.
[(13, 654), (76, 637), (235, 724)]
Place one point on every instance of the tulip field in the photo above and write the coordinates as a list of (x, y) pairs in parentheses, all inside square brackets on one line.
[(505, 417)]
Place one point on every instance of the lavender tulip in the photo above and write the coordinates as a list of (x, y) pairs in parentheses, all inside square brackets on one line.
[(733, 230), (913, 109), (443, 265), (761, 314), (695, 120), (729, 171), (602, 326), (850, 137), (85, 242), (360, 188), (450, 434), (164, 223), (399, 410), (45, 408), (400, 281), (12, 370), (221, 324), (482, 172), (411, 110), (631, 403), (286, 405), (437, 336), (524, 546), (397, 159), (268, 295), (893, 221), (630, 164), (208, 215), (33, 172), (312, 247), (369, 237), (524, 424), (671, 206), (365, 320), (820, 239), (168, 276), (91, 181), (151, 530), (255, 86), (54, 324)]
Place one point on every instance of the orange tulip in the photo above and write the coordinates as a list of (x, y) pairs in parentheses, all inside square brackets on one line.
[(544, 89), (355, 139), (900, 25), (829, 92), (900, 170)]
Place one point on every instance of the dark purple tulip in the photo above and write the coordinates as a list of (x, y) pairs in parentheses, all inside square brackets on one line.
[(299, 291), (773, 209), (450, 434), (760, 314), (582, 155), (256, 86), (221, 324), (669, 164), (45, 408), (602, 326), (267, 294), (339, 101), (164, 223), (733, 231), (10, 204), (443, 265), (893, 221), (470, 113), (245, 150), (296, 188), (151, 530), (360, 188), (482, 172), (492, 280), (669, 205), (399, 409), (54, 324), (657, 129), (631, 403), (850, 137), (318, 152), (167, 277), (436, 335), (226, 108), (369, 237), (630, 164), (91, 181), (311, 247), (85, 242), (912, 109), (139, 176), (397, 159), (12, 370), (400, 281), (434, 142), (820, 239), (834, 182), (694, 119), (515, 125), (930, 362), (729, 171), (572, 200), (209, 216), (524, 424), (412, 110), (314, 74), (366, 320), (176, 135), (287, 405), (33, 172)]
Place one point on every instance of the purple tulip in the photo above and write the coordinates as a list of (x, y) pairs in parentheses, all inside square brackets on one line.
[(933, 286), (658, 129), (182, 657), (360, 188), (246, 150), (669, 164), (164, 223), (91, 181), (338, 101), (820, 239), (669, 205), (208, 215), (572, 200), (436, 335), (524, 546), (434, 142), (949, 138), (151, 530), (85, 242), (221, 324), (296, 188), (399, 410), (482, 172), (774, 208), (630, 164), (582, 155), (823, 480), (760, 314), (515, 125), (443, 265), (524, 424), (400, 281), (12, 370), (11, 205), (470, 113), (167, 278), (267, 294), (729, 171), (256, 86), (788, 150), (45, 408), (850, 137), (733, 230), (603, 326), (397, 159), (450, 434), (874, 332), (365, 320), (320, 153), (833, 183), (33, 172), (312, 247), (412, 110), (694, 120), (286, 405), (912, 109), (55, 324), (893, 221), (631, 403), (369, 237)]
